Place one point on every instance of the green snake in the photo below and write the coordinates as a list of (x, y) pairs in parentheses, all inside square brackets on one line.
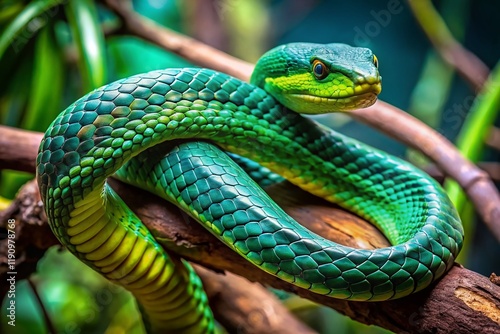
[(123, 130)]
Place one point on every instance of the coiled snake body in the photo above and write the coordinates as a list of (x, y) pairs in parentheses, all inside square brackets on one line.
[(117, 130)]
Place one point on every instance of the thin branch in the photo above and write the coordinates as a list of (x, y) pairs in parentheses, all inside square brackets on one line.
[(493, 139), (188, 48), (382, 116), (492, 168), (467, 64)]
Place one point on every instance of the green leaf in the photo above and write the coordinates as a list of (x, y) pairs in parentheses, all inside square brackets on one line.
[(14, 93), (16, 33), (89, 38), (47, 84), (10, 11), (11, 181)]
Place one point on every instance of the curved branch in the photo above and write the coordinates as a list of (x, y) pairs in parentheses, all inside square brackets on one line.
[(382, 116), (414, 133), (460, 301), (467, 64)]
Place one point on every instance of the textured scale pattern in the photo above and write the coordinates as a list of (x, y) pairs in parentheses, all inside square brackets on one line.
[(119, 129), (263, 176), (215, 191)]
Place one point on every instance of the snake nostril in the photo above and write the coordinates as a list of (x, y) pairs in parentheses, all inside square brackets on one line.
[(359, 80), (371, 80)]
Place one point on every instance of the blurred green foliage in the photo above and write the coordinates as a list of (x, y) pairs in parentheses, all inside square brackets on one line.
[(54, 51)]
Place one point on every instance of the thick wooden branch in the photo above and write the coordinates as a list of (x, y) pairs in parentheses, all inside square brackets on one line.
[(17, 149), (238, 304), (382, 116), (247, 307), (462, 301), (449, 306)]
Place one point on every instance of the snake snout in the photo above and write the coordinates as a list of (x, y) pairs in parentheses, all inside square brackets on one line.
[(364, 84)]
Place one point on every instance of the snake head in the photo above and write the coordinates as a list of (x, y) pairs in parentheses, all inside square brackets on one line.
[(319, 78)]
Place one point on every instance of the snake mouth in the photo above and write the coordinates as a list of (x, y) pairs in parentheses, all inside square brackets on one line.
[(362, 96), (345, 103)]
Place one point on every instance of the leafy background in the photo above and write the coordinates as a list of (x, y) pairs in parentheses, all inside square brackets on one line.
[(54, 51)]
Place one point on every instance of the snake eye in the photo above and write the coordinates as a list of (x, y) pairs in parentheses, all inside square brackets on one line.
[(375, 61), (320, 70)]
